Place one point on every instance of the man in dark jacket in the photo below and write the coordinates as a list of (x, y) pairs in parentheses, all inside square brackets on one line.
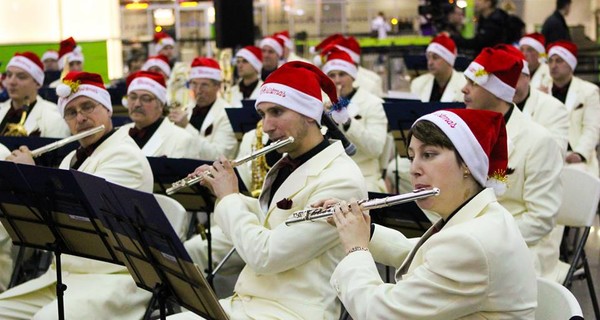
[(491, 26), (555, 27)]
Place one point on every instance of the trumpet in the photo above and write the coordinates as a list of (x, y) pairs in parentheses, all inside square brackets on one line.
[(322, 213), (188, 181), (60, 143)]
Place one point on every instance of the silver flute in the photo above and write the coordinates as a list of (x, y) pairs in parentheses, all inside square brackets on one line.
[(60, 143), (188, 181), (322, 213)]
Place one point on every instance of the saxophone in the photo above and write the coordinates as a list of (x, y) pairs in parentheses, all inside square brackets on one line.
[(18, 129), (227, 69), (259, 165)]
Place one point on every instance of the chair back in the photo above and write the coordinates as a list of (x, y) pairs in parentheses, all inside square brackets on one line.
[(176, 214), (581, 193), (556, 302)]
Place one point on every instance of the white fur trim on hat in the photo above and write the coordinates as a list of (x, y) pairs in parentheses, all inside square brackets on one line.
[(163, 66), (251, 58), (340, 65), (565, 54), (355, 56), (538, 46), (168, 41), (273, 44), (143, 83), (286, 41), (205, 73), (490, 82), (442, 51), (29, 66), (100, 95), (75, 55), (291, 98), (463, 140), (50, 55)]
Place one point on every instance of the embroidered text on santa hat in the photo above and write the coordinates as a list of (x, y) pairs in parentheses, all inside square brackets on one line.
[(30, 63), (76, 84), (150, 81), (480, 138), (205, 68), (297, 86)]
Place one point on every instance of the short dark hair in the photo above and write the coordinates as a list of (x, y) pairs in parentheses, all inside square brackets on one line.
[(494, 3), (430, 134), (561, 4)]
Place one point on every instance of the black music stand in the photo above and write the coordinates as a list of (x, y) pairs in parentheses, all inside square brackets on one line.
[(154, 254), (46, 208), (48, 159), (402, 114), (168, 170), (243, 119)]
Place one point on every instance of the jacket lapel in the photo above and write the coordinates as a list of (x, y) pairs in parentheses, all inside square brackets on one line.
[(155, 141)]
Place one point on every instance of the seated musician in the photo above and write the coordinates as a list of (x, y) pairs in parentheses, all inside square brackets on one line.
[(155, 135), (24, 76), (472, 263), (94, 289), (287, 269)]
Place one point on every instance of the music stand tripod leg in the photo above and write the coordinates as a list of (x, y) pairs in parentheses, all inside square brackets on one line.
[(60, 286)]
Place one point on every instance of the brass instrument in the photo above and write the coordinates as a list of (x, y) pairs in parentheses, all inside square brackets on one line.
[(18, 129), (259, 165), (60, 143), (178, 93), (322, 213), (227, 69), (188, 181)]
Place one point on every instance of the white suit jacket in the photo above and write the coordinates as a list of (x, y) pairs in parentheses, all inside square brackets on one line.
[(110, 288), (220, 139), (168, 141), (237, 97), (541, 78), (476, 267), (44, 117), (549, 112), (287, 267), (369, 80), (583, 103), (368, 129), (534, 191), (423, 84)]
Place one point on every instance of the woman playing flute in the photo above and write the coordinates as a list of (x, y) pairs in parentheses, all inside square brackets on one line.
[(473, 262)]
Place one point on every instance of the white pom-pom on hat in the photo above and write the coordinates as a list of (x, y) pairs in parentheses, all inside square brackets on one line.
[(63, 90)]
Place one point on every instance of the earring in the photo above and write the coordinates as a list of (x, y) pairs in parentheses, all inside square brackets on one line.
[(466, 174)]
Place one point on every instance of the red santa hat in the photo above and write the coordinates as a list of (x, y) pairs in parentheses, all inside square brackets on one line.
[(567, 50), (161, 40), (351, 46), (253, 55), (50, 54), (480, 138), (297, 85), (338, 60), (517, 54), (497, 71), (29, 62), (76, 84), (205, 68), (535, 40), (160, 61), (334, 38), (285, 36), (273, 42), (150, 81), (444, 47), (68, 52)]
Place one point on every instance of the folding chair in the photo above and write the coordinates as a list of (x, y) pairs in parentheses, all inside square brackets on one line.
[(556, 302), (581, 193), (176, 214)]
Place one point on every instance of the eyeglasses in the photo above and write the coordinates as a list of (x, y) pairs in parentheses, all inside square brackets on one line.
[(85, 109), (145, 98)]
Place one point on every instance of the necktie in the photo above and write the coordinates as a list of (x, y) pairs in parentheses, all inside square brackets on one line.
[(430, 232)]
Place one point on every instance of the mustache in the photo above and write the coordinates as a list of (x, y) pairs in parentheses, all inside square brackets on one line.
[(138, 110)]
